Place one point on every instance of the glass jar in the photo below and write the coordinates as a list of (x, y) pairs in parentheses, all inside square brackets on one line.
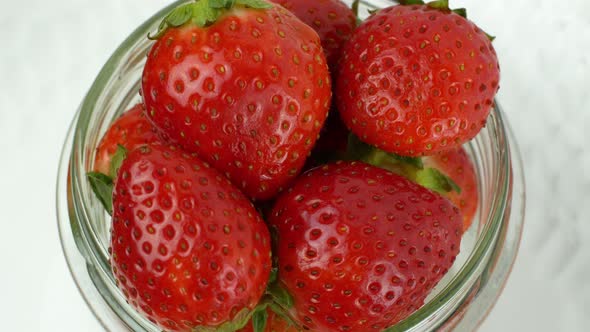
[(460, 302)]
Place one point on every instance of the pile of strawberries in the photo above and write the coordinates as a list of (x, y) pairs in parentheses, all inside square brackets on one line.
[(289, 170)]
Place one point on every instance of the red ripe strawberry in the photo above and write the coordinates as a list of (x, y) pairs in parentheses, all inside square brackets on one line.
[(360, 248), (332, 19), (417, 80), (248, 90), (459, 168), (274, 323), (130, 130), (188, 248)]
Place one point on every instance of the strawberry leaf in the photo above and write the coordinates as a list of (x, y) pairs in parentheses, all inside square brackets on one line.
[(410, 167), (280, 295), (179, 16), (282, 313), (434, 179), (259, 319), (219, 4), (359, 150), (102, 186), (461, 12), (439, 4), (117, 160), (239, 321), (444, 5), (202, 13), (414, 161)]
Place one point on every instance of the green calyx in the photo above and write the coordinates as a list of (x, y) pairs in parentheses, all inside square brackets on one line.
[(442, 5), (259, 320), (117, 160), (280, 299), (434, 179), (239, 321), (279, 295), (203, 13), (411, 168), (102, 184), (276, 298), (437, 4)]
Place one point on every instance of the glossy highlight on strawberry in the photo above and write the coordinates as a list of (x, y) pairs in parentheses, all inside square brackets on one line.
[(187, 248), (249, 93), (360, 248), (417, 80)]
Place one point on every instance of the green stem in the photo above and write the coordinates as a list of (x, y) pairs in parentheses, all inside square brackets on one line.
[(412, 168)]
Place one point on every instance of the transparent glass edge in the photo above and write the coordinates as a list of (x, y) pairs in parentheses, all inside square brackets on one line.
[(470, 273), (80, 262), (73, 254), (507, 255)]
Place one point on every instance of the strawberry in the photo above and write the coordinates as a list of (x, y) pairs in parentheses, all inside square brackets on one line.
[(247, 88), (130, 130), (188, 249), (273, 323), (334, 22), (332, 19), (450, 173), (360, 248), (417, 79), (457, 166)]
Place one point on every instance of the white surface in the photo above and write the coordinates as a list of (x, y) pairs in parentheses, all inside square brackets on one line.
[(50, 52)]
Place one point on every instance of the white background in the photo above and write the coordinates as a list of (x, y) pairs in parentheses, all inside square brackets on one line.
[(50, 52)]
